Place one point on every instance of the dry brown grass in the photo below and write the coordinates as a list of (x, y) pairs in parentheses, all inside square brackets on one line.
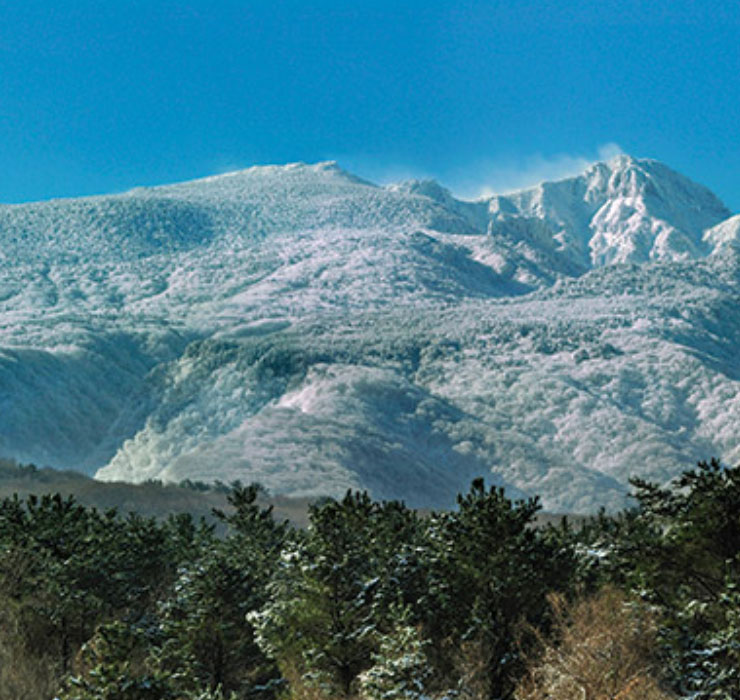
[(606, 651), (24, 675), (473, 666)]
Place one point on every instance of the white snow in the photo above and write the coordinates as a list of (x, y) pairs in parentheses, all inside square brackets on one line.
[(301, 327)]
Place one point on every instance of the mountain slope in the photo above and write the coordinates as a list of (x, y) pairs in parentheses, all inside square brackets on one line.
[(301, 327)]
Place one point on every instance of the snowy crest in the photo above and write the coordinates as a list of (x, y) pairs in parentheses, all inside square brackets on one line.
[(623, 211)]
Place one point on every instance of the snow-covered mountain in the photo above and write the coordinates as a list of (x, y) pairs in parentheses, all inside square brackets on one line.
[(301, 327)]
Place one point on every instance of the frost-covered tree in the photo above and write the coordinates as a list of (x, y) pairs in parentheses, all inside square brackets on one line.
[(204, 627), (691, 570), (195, 641), (328, 592), (490, 571), (400, 666)]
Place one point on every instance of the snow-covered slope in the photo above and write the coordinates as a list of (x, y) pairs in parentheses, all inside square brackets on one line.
[(724, 235), (298, 326)]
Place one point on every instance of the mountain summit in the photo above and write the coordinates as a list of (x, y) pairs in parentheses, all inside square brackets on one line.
[(301, 327), (622, 211)]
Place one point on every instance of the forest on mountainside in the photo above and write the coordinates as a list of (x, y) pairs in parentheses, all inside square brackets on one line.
[(374, 600)]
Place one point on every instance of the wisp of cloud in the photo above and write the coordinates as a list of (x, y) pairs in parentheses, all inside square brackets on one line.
[(496, 177)]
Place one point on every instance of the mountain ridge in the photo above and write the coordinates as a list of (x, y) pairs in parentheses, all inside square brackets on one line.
[(302, 327)]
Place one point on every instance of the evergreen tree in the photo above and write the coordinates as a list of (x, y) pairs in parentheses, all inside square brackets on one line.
[(332, 588), (490, 571), (66, 568), (690, 569)]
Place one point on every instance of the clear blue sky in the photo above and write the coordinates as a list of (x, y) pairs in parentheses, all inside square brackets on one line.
[(100, 96)]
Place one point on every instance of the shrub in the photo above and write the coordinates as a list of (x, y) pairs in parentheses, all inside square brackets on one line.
[(603, 647)]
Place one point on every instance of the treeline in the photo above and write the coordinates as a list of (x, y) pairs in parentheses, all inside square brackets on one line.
[(150, 498), (374, 601)]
